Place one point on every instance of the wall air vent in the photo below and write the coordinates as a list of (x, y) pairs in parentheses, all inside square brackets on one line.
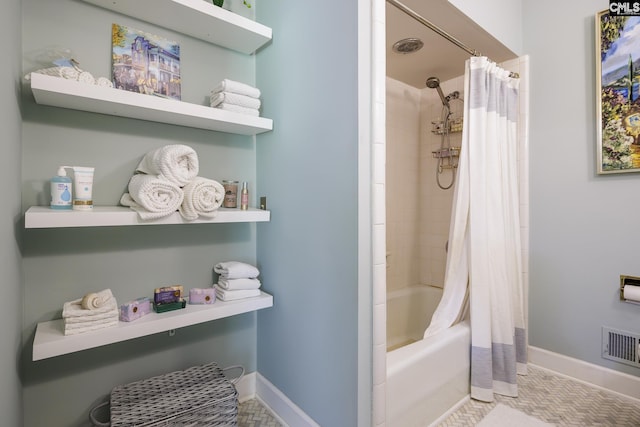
[(621, 346)]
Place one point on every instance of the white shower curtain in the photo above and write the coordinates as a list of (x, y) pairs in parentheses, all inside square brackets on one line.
[(484, 259)]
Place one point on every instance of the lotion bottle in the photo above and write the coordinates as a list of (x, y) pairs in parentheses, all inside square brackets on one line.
[(244, 197), (61, 190)]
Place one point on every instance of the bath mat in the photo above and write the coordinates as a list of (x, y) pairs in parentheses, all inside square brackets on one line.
[(504, 416)]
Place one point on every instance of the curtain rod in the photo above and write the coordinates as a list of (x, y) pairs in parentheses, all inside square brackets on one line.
[(439, 31)]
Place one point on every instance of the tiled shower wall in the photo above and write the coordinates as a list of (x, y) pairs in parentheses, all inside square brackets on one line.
[(418, 211)]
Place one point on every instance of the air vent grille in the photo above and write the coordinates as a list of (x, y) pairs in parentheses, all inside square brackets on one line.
[(620, 346)]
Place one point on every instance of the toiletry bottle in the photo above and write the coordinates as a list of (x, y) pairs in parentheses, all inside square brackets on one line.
[(244, 197), (61, 190), (230, 194)]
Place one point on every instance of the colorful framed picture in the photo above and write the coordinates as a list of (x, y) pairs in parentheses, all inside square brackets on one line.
[(618, 100), (145, 63)]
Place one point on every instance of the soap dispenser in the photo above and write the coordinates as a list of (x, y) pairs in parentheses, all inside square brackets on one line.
[(61, 190)]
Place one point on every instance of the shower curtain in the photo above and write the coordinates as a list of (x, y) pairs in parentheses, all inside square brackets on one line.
[(484, 264)]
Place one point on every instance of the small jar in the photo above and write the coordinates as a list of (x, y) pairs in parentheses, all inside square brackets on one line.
[(230, 194)]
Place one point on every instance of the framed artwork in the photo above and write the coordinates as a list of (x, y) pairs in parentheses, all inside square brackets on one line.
[(145, 63), (618, 103)]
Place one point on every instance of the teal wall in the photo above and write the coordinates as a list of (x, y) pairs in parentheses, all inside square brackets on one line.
[(11, 316), (583, 226), (64, 264), (308, 169)]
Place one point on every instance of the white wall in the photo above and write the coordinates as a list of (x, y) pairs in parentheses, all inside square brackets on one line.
[(308, 170), (500, 18), (584, 227), (10, 216)]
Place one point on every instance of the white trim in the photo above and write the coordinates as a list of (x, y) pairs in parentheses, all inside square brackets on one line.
[(595, 375), (246, 387), (451, 410), (287, 412)]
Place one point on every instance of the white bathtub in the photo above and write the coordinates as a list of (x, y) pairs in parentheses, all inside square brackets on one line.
[(426, 378)]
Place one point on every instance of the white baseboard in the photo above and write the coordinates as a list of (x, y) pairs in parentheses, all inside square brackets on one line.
[(246, 387), (287, 412), (608, 379)]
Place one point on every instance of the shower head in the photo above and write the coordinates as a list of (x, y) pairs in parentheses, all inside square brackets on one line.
[(434, 83)]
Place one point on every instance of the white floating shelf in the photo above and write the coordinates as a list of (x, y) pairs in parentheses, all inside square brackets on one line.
[(197, 18), (50, 340), (107, 216), (65, 93)]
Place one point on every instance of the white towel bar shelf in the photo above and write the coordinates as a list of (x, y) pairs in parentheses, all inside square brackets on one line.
[(65, 93), (109, 216), (50, 340), (198, 19)]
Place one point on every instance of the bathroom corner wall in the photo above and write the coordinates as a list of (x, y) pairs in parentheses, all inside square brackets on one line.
[(10, 216), (403, 184)]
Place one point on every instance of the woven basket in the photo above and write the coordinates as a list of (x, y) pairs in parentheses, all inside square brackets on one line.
[(198, 396)]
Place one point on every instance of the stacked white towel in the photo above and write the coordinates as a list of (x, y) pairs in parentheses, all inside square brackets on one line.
[(235, 96), (102, 312), (166, 181), (237, 280)]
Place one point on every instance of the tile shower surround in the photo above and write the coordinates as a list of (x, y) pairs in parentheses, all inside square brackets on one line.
[(436, 204)]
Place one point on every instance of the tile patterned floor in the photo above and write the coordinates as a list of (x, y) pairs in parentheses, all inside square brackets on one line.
[(558, 400), (542, 394), (252, 414)]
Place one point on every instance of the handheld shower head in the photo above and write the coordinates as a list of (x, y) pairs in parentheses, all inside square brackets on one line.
[(434, 83)]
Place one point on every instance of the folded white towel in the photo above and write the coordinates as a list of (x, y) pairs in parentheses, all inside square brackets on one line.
[(236, 270), (152, 197), (238, 284), (233, 86), (226, 295), (89, 319), (74, 308), (177, 163), (71, 330), (235, 99), (238, 109), (203, 197)]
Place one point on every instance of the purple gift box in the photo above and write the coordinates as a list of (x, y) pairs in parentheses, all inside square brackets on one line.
[(135, 309), (202, 296)]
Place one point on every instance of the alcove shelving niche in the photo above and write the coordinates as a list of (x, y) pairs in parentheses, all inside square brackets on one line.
[(204, 21)]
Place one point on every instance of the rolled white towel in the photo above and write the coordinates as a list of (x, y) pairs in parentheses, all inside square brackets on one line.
[(235, 99), (202, 197), (238, 109), (152, 197), (236, 270), (233, 86), (104, 82), (177, 163), (226, 295), (238, 284), (87, 78)]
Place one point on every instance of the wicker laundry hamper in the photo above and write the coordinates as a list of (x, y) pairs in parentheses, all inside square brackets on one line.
[(197, 396)]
